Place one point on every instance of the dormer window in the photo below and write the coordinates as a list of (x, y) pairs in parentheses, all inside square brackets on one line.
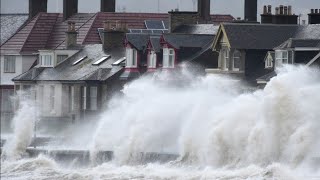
[(131, 58), (152, 60), (46, 60), (283, 57), (168, 58)]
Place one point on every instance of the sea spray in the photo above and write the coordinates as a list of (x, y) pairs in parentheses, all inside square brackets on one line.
[(23, 128), (215, 121)]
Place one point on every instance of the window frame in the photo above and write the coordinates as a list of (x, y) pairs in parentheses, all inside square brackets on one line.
[(169, 57), (152, 63), (93, 98), (131, 58), (84, 98), (233, 60), (43, 61), (52, 98), (282, 59), (9, 68)]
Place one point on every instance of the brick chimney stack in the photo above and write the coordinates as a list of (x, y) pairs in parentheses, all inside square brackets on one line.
[(36, 6), (71, 35), (204, 9), (113, 34), (314, 16)]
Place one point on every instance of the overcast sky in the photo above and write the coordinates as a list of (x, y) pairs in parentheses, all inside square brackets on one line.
[(233, 7)]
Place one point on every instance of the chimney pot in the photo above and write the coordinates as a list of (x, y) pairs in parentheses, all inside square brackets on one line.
[(290, 10), (285, 10), (281, 9), (269, 9), (277, 10), (316, 11), (312, 11), (265, 11)]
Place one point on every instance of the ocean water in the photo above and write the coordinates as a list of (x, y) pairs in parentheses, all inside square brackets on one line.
[(220, 128)]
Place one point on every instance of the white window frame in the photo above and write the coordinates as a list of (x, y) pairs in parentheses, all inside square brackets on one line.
[(84, 98), (131, 58), (9, 65), (269, 61), (224, 58), (62, 55), (94, 98), (46, 60), (152, 63), (236, 58), (168, 58), (52, 98), (282, 57)]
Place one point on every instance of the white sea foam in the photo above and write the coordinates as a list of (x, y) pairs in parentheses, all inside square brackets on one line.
[(220, 128)]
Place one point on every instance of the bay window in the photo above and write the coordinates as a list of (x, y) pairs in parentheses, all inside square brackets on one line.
[(131, 57), (152, 60), (283, 57), (168, 58)]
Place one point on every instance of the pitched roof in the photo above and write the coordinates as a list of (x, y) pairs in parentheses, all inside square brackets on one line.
[(10, 23), (187, 40), (265, 36), (209, 29), (155, 42), (258, 36), (139, 41), (293, 43), (83, 71)]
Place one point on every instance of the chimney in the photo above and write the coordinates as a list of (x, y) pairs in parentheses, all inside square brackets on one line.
[(113, 34), (269, 9), (36, 6), (204, 10), (108, 5), (277, 11), (71, 35), (285, 10), (290, 10), (265, 10), (281, 10), (70, 7), (250, 10), (314, 16)]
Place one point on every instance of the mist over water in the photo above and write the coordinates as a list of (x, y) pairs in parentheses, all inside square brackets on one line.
[(218, 126)]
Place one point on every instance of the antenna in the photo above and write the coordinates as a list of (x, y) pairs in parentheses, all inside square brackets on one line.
[(158, 6)]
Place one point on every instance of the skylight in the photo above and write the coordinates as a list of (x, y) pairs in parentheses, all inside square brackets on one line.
[(119, 61), (101, 60), (79, 60)]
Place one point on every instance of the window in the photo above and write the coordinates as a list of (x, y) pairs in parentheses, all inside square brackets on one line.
[(101, 60), (224, 58), (9, 64), (71, 98), (46, 61), (6, 102), (236, 60), (269, 60), (93, 98), (284, 57), (168, 58), (131, 55), (52, 94), (40, 97), (152, 60), (61, 58), (84, 97)]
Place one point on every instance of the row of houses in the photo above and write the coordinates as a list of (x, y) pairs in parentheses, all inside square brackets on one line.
[(73, 63)]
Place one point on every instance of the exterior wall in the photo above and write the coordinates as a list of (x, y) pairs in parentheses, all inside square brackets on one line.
[(23, 63), (254, 64), (303, 57)]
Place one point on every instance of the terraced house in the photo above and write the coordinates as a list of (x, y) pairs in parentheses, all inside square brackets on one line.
[(70, 60)]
